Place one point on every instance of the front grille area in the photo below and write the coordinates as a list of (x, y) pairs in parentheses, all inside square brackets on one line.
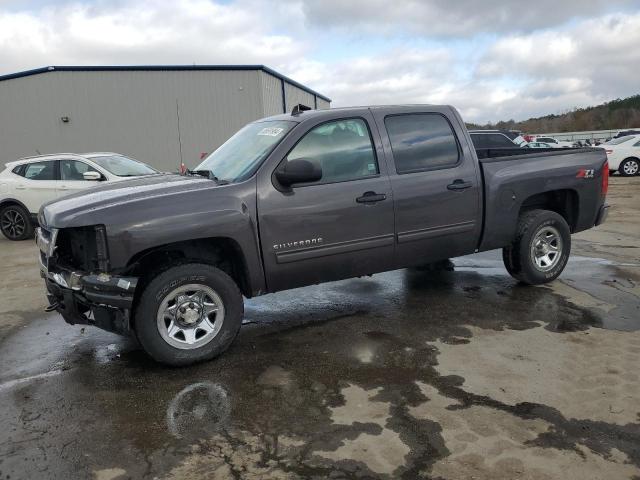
[(76, 249)]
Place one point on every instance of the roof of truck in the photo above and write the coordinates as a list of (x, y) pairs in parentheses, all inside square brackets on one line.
[(308, 114)]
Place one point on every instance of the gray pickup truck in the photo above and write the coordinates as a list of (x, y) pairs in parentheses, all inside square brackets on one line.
[(300, 199)]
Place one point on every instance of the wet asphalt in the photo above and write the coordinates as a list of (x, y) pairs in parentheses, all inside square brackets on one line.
[(323, 382)]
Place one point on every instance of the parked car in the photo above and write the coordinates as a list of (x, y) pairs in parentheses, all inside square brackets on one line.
[(538, 145), (496, 139), (624, 133), (28, 183), (301, 199), (623, 154), (553, 142)]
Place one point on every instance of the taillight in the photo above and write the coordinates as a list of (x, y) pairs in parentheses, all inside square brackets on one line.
[(605, 180)]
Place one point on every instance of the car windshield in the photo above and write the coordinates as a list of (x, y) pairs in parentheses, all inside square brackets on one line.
[(122, 166), (618, 141), (237, 158)]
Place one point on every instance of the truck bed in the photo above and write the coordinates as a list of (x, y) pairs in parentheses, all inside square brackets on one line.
[(514, 180)]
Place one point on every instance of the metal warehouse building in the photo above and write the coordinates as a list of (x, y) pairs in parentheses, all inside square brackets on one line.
[(159, 114)]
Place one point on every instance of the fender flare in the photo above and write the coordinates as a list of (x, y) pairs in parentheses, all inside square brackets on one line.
[(6, 201)]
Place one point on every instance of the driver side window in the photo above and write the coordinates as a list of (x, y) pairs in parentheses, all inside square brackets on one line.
[(341, 148)]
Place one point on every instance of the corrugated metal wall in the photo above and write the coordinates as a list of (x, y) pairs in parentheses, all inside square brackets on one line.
[(271, 94), (135, 112), (322, 104), (294, 96)]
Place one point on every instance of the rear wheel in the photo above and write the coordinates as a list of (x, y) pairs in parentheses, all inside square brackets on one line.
[(629, 167), (15, 223), (188, 313), (541, 248)]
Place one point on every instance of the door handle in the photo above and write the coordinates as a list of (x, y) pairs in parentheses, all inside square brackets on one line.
[(459, 185), (20, 187), (371, 197)]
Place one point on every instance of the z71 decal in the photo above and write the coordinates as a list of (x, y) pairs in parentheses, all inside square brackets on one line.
[(586, 173)]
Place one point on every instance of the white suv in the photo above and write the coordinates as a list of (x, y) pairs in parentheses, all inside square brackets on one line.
[(28, 183)]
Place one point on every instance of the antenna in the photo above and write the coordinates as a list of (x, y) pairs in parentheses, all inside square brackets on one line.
[(299, 108)]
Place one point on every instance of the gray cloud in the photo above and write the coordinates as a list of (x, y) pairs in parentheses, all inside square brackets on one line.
[(518, 75), (452, 18)]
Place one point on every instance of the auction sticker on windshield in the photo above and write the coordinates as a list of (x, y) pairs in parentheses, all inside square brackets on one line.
[(271, 131)]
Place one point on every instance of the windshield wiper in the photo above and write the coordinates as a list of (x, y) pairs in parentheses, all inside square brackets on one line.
[(208, 174)]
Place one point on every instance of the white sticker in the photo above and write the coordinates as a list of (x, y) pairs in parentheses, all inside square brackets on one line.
[(271, 131)]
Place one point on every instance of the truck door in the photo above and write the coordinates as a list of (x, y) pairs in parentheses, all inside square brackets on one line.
[(337, 227), (436, 185)]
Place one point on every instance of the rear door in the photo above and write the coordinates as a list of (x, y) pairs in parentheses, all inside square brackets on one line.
[(38, 184), (436, 184), (338, 227)]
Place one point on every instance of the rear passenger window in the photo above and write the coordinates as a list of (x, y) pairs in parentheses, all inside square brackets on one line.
[(40, 171), (423, 141), (342, 148)]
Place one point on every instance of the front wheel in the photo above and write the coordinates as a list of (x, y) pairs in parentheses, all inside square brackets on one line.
[(188, 314), (541, 248), (629, 167), (15, 223)]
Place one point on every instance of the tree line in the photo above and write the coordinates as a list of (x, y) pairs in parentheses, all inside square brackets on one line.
[(614, 115)]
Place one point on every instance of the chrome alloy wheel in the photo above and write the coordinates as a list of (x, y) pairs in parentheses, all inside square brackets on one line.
[(190, 316), (546, 249), (13, 223), (630, 167)]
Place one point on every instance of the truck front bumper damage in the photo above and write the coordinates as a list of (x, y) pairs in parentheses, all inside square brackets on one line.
[(103, 300)]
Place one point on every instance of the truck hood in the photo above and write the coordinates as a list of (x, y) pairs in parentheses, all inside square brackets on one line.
[(84, 207)]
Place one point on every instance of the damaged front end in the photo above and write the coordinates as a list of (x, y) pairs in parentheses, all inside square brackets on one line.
[(75, 265)]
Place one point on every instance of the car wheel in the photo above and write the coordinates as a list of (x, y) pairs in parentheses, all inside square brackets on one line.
[(15, 223), (188, 314), (629, 167), (541, 248)]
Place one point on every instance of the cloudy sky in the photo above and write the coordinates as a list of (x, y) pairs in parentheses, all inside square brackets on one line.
[(492, 59)]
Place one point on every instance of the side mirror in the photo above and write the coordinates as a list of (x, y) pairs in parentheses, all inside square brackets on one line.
[(92, 176), (298, 171)]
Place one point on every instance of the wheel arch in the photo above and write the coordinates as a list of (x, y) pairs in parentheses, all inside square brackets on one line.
[(565, 202), (222, 252), (13, 201), (630, 157)]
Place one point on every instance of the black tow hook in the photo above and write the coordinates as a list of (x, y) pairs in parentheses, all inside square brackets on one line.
[(52, 307)]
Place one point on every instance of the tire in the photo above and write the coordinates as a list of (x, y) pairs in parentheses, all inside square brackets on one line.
[(541, 248), (171, 319), (15, 223), (629, 167)]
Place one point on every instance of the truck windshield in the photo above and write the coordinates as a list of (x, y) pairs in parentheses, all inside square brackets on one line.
[(236, 159)]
